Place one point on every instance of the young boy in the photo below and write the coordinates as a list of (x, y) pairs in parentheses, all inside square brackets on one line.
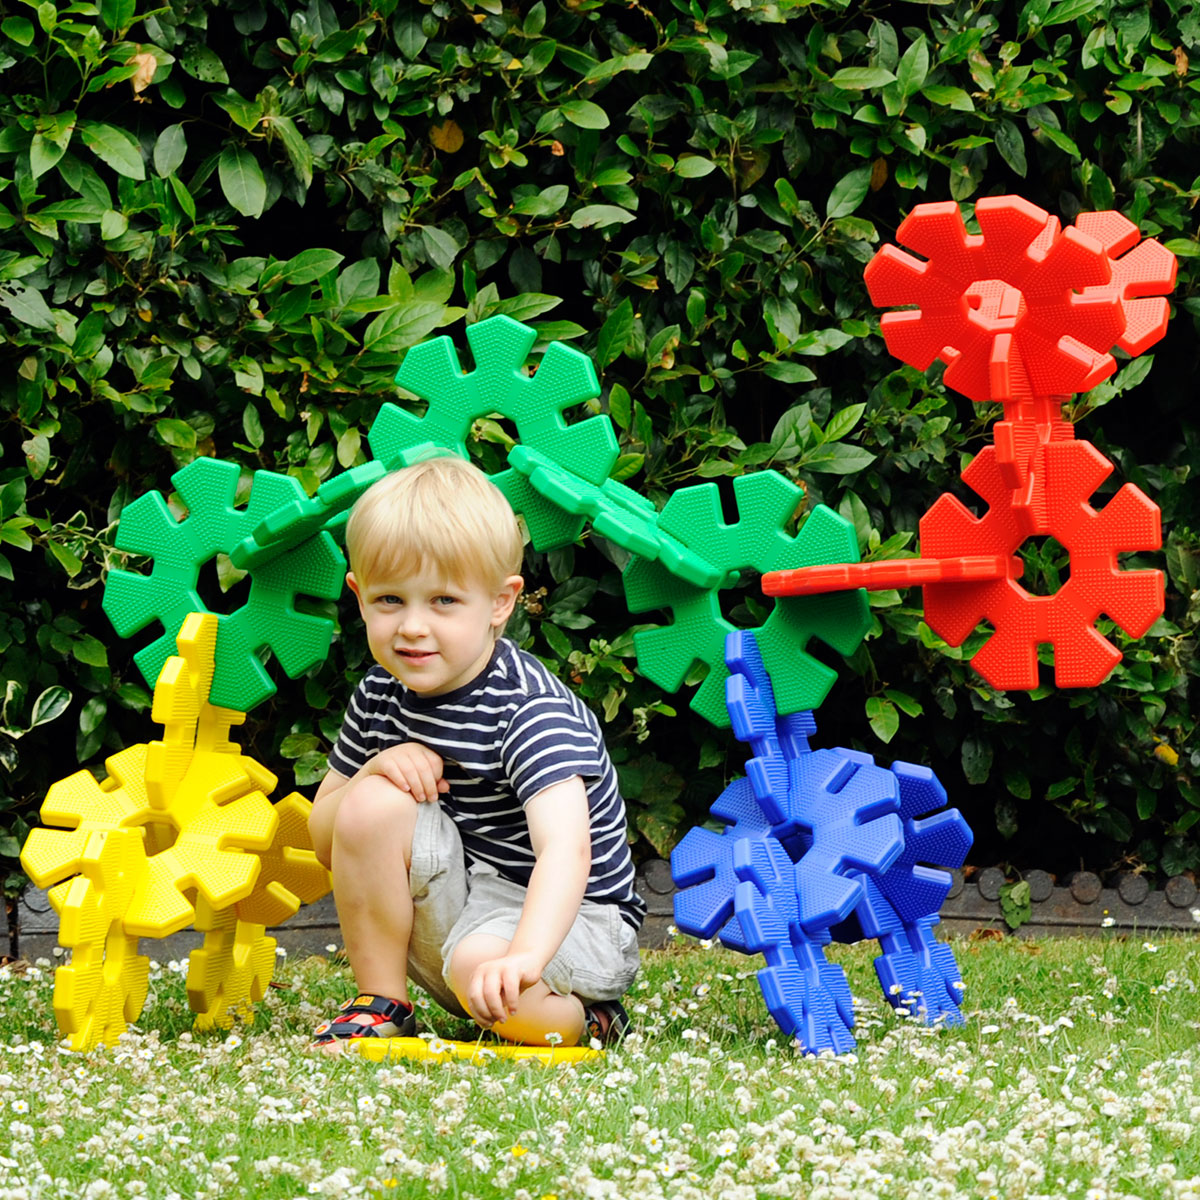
[(471, 815)]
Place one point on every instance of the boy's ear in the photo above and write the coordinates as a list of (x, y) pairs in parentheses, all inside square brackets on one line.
[(352, 584), (506, 600)]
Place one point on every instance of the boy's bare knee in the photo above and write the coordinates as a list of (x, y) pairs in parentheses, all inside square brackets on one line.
[(371, 807)]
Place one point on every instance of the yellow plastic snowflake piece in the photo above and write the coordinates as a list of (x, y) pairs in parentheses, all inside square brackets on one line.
[(104, 986), (439, 1050), (291, 874), (80, 807), (231, 970), (220, 815), (190, 724)]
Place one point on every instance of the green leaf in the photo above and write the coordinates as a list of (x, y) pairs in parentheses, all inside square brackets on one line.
[(1016, 904), (307, 267), (1011, 145), (90, 650), (170, 150), (203, 63), (348, 446), (299, 152), (358, 281), (694, 166), (836, 458), (1060, 139), (176, 433), (789, 372), (406, 324), (117, 14), (558, 641), (585, 114), (843, 421), (52, 703), (914, 68), (245, 113), (976, 759), (597, 216), (440, 248), (252, 426), (43, 154), (1069, 10), (614, 334), (27, 306), (19, 29), (242, 181), (66, 558), (907, 704), (848, 193), (949, 97), (37, 454), (183, 197), (883, 718), (113, 225), (861, 78), (113, 146)]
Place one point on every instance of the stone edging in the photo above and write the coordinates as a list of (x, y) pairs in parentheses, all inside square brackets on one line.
[(1082, 906)]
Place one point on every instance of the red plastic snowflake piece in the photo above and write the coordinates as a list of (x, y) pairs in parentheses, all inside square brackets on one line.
[(1023, 306), (1070, 472)]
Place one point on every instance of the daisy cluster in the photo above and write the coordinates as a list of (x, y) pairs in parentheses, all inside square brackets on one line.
[(1077, 1075)]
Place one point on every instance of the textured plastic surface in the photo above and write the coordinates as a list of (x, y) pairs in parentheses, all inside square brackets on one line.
[(440, 1050), (900, 907), (294, 523), (892, 573), (1023, 303), (757, 541), (104, 985), (1026, 313), (617, 513), (1070, 473), (820, 844), (500, 383), (180, 549), (185, 816), (231, 970)]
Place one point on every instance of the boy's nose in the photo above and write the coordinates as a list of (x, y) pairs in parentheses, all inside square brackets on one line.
[(413, 624)]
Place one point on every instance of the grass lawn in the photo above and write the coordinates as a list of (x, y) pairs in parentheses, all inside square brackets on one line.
[(1077, 1074)]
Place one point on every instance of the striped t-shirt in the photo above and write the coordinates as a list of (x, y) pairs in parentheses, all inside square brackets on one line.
[(505, 736)]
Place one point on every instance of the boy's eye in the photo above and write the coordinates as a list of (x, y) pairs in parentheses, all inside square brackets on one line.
[(445, 601), (390, 600)]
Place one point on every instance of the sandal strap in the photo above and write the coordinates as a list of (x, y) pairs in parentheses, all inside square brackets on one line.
[(379, 1006)]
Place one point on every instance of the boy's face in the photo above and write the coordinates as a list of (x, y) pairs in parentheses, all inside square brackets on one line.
[(432, 635)]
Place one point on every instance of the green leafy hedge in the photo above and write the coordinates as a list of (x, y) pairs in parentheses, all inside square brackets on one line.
[(223, 222)]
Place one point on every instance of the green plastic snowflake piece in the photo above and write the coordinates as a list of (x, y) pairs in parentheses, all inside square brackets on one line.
[(180, 549), (295, 522), (500, 384), (617, 513), (758, 542)]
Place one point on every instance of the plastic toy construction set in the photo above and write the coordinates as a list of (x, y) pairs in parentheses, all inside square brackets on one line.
[(818, 844)]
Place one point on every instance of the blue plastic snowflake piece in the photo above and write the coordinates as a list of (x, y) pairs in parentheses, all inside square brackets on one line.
[(807, 995), (702, 866), (900, 906)]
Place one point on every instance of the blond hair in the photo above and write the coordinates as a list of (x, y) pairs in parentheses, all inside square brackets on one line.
[(443, 513)]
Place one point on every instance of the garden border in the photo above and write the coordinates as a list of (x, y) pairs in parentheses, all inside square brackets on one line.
[(1082, 905)]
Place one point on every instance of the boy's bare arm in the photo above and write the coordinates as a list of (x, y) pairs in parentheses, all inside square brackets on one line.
[(409, 766), (560, 830)]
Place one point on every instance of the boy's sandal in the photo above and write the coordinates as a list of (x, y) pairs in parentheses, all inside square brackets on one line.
[(605, 1021), (387, 1018)]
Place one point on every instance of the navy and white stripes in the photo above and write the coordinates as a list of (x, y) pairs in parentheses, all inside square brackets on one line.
[(504, 737)]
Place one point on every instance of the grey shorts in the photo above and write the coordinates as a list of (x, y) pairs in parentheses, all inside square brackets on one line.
[(597, 960)]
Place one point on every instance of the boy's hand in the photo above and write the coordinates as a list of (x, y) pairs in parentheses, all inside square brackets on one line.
[(413, 768), (496, 986)]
